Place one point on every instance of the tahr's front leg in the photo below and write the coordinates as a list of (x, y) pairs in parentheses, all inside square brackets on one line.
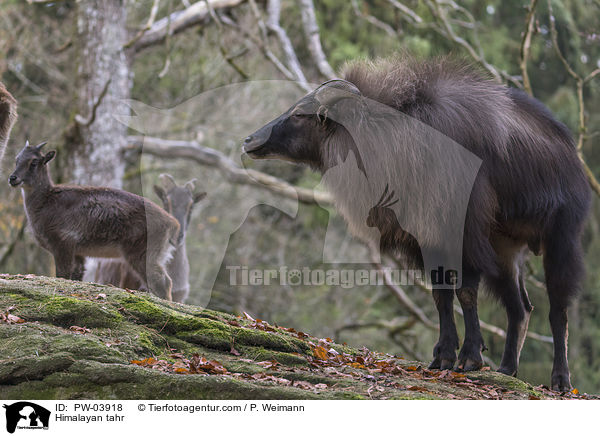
[(444, 352)]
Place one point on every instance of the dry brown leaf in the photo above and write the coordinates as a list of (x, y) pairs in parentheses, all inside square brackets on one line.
[(79, 330), (320, 353)]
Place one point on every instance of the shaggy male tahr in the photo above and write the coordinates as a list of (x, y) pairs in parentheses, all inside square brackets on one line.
[(530, 191)]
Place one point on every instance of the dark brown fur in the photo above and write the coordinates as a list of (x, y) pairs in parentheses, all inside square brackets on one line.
[(8, 116)]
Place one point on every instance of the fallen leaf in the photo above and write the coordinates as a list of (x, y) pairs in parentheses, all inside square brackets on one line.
[(79, 330), (320, 353), (417, 388)]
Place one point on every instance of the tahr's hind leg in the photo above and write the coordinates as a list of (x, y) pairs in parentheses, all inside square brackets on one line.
[(78, 268), (507, 288), (563, 265), (63, 260), (469, 358), (444, 352)]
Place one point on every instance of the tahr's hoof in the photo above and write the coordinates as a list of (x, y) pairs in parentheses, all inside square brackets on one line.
[(561, 383), (508, 371), (442, 364), (469, 365)]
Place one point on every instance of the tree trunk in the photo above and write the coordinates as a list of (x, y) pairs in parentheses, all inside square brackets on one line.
[(101, 34)]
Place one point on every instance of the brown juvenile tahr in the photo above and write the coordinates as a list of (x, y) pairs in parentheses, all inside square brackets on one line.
[(530, 191), (8, 116), (73, 222), (179, 202)]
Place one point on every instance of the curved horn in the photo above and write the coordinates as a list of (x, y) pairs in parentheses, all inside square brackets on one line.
[(40, 145), (335, 90), (167, 181)]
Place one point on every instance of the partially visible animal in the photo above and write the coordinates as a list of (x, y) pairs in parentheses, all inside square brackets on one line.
[(179, 201), (73, 222), (530, 190), (8, 116)]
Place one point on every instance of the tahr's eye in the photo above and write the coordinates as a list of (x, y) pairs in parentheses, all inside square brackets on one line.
[(33, 163)]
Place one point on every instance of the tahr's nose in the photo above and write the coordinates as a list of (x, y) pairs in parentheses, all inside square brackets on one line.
[(12, 178)]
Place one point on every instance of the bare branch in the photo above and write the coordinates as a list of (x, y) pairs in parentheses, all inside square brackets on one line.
[(274, 12), (580, 82), (262, 44), (554, 35), (441, 15), (167, 65), (526, 45), (373, 20), (311, 31), (179, 21), (224, 52), (192, 150), (148, 26), (92, 117), (406, 11)]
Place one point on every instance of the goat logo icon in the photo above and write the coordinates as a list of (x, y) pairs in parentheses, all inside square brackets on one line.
[(26, 415)]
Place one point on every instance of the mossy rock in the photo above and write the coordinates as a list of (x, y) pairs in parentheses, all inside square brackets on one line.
[(77, 340)]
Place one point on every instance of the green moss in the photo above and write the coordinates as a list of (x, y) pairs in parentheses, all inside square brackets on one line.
[(149, 343), (268, 340), (142, 309), (33, 367), (68, 311), (215, 339), (147, 310), (260, 354), (86, 347)]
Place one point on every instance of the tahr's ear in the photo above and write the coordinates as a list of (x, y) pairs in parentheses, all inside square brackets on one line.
[(332, 91), (191, 185), (199, 196), (167, 181), (162, 194), (49, 156)]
